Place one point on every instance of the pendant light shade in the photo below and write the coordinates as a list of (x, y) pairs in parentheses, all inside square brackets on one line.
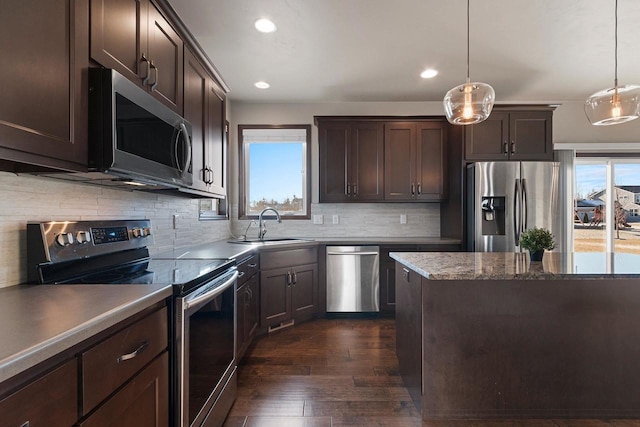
[(616, 105), (470, 102), (613, 106)]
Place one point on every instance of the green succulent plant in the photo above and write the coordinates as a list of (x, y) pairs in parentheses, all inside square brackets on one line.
[(537, 239)]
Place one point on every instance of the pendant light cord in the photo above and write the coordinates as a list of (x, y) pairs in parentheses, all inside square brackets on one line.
[(468, 78), (616, 48)]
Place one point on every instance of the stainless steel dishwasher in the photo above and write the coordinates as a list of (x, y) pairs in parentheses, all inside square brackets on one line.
[(353, 279)]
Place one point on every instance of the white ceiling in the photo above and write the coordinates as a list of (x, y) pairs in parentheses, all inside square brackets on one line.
[(374, 50)]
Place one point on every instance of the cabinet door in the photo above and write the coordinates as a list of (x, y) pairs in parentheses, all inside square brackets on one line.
[(214, 153), (365, 170), (430, 165), (51, 400), (334, 157), (195, 111), (43, 113), (530, 135), (119, 36), (488, 140), (275, 297), (142, 402), (399, 159), (241, 294), (304, 292), (165, 52), (252, 314), (387, 286)]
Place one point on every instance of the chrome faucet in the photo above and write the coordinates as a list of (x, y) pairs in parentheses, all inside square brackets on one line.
[(262, 228)]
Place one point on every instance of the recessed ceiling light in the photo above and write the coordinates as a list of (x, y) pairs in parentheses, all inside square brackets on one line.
[(262, 85), (265, 25), (429, 73)]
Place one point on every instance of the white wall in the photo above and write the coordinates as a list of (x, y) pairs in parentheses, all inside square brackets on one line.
[(28, 198)]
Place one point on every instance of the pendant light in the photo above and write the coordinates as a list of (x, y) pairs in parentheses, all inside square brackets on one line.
[(617, 105), (469, 103)]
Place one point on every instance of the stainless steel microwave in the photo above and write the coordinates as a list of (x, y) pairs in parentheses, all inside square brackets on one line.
[(135, 137)]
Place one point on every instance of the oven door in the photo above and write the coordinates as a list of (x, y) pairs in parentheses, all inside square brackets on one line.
[(205, 353)]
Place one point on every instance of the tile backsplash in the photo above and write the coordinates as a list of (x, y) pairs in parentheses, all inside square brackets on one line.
[(354, 220), (27, 198)]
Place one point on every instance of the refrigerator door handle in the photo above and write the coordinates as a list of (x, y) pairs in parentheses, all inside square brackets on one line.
[(516, 212), (525, 205)]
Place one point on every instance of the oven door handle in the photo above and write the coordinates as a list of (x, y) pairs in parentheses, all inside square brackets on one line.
[(209, 295)]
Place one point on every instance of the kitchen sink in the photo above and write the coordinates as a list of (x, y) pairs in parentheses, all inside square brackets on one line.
[(272, 241)]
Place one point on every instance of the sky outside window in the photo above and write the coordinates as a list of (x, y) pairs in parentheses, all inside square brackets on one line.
[(275, 171)]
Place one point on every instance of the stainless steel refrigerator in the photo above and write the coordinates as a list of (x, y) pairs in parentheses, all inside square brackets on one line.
[(506, 198)]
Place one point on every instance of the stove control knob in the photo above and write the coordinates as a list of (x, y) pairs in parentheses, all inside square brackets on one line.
[(64, 239), (83, 237), (137, 232), (146, 231)]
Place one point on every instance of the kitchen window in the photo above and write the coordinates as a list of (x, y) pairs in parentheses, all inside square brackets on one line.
[(274, 170)]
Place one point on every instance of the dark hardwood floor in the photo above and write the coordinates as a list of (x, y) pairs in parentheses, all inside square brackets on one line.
[(339, 373)]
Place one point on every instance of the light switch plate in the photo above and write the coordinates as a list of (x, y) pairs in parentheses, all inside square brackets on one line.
[(403, 219), (336, 219), (318, 219)]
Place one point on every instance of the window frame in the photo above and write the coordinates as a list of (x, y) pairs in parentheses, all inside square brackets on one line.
[(242, 189)]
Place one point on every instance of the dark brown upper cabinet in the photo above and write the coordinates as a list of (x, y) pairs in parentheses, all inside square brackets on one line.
[(204, 108), (511, 135), (134, 38), (351, 161), (43, 113), (415, 161)]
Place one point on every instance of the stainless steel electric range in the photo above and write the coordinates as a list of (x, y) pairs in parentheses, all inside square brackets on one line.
[(204, 304)]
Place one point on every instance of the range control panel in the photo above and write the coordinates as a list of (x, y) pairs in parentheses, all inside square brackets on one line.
[(59, 241)]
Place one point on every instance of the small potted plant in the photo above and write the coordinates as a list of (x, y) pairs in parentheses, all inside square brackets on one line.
[(536, 240)]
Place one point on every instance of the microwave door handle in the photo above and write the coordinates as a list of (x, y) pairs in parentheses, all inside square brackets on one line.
[(183, 131), (187, 141)]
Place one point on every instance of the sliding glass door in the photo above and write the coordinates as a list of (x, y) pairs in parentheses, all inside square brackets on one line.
[(607, 205)]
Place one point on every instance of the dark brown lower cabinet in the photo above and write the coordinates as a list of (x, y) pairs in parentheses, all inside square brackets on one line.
[(143, 402), (51, 400), (91, 388), (288, 286), (248, 313)]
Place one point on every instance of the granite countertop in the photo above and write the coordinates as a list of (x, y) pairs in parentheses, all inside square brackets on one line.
[(509, 265), (40, 321)]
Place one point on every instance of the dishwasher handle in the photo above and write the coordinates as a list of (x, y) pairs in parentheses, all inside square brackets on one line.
[(353, 253)]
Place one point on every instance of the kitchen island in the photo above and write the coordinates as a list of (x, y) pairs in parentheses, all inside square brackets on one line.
[(491, 335)]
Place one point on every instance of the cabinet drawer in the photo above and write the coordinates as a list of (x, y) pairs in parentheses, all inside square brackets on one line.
[(288, 257), (52, 400), (248, 267), (112, 362)]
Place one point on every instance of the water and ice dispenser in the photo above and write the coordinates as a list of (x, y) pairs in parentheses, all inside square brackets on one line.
[(493, 215)]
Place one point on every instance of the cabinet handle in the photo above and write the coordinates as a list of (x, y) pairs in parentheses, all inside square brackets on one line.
[(25, 424), (145, 79), (133, 354), (419, 188), (250, 294), (155, 81), (413, 189), (295, 278), (513, 147), (348, 190), (253, 265), (288, 278), (506, 148), (240, 274), (355, 190)]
